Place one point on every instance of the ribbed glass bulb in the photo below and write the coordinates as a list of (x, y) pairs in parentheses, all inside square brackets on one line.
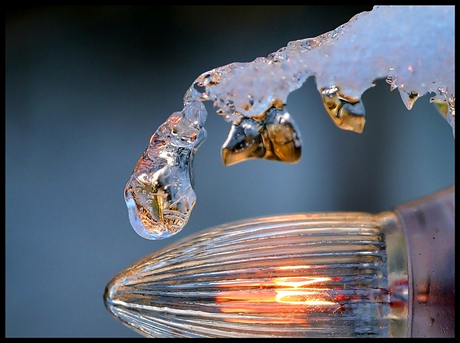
[(302, 275)]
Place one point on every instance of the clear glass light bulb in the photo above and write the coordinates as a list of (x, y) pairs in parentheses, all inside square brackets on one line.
[(300, 275)]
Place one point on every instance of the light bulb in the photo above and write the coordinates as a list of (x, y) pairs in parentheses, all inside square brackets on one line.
[(301, 275)]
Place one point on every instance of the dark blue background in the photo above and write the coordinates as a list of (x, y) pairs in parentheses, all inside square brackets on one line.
[(87, 86)]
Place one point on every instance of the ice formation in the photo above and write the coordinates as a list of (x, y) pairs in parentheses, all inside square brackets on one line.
[(412, 47), (159, 194), (272, 136)]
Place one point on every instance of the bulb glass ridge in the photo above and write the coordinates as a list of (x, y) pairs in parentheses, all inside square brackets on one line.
[(304, 275)]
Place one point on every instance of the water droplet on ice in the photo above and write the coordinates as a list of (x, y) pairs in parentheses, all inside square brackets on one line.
[(272, 135), (345, 111), (391, 80), (409, 98)]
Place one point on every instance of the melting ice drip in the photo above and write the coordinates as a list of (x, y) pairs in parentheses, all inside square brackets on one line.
[(412, 47), (159, 194), (272, 136)]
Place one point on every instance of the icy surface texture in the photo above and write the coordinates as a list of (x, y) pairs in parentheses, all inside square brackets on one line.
[(159, 194), (411, 46)]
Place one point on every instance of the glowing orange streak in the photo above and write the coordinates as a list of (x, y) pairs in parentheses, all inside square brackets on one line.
[(293, 267), (254, 295), (293, 290), (276, 300), (295, 281), (301, 296)]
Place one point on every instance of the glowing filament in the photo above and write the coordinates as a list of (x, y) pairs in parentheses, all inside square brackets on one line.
[(300, 296)]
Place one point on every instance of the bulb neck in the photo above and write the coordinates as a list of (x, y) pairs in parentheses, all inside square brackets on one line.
[(428, 225)]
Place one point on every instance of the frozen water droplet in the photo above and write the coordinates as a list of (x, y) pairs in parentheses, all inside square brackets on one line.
[(346, 112), (441, 106), (446, 107), (159, 194), (244, 142), (409, 98), (272, 136), (391, 80)]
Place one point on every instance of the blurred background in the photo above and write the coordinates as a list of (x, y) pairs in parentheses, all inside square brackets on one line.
[(85, 89)]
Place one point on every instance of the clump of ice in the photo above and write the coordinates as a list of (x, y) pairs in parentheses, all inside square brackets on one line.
[(411, 46)]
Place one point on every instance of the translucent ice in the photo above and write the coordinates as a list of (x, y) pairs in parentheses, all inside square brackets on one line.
[(412, 46), (346, 112), (159, 194), (273, 136)]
